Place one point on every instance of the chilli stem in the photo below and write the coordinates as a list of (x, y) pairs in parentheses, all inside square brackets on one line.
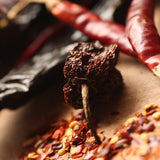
[(87, 111)]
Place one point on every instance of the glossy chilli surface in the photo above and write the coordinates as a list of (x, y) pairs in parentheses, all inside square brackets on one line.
[(92, 25), (142, 32)]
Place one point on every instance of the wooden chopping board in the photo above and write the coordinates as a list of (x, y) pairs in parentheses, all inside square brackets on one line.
[(140, 88)]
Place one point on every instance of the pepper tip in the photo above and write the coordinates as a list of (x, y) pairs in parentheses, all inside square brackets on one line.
[(156, 70)]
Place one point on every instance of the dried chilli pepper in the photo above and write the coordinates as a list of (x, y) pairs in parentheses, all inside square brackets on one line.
[(25, 82), (47, 34), (46, 66), (94, 64), (92, 25), (91, 76), (143, 34), (80, 18)]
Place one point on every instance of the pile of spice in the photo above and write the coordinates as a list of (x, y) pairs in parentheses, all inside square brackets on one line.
[(66, 140), (137, 138)]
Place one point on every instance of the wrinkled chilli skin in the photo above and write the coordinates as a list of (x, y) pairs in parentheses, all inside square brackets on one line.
[(93, 64)]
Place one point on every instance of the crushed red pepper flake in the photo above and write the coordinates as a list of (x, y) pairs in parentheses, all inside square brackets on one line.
[(69, 140), (137, 138)]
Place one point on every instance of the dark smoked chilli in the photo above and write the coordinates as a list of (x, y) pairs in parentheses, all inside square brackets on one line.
[(93, 64)]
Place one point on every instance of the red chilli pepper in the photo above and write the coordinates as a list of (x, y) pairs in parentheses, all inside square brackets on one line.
[(46, 35), (92, 25), (143, 35)]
